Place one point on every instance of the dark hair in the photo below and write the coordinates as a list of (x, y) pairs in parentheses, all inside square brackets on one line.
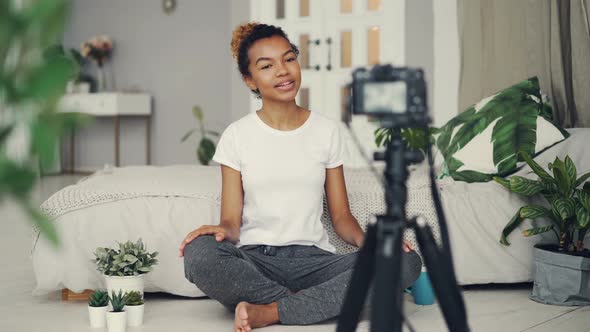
[(244, 36)]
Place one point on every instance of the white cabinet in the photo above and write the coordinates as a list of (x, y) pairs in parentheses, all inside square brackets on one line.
[(110, 104), (107, 104)]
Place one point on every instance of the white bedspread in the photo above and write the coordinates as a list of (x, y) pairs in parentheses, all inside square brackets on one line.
[(162, 204)]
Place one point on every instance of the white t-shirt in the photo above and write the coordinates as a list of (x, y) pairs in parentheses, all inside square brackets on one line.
[(283, 176)]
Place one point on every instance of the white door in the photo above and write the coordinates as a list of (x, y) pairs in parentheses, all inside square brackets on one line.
[(335, 37)]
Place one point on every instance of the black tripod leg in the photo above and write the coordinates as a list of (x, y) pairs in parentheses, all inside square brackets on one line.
[(386, 312), (442, 277), (359, 284)]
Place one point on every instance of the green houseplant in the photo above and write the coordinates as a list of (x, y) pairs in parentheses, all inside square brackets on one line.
[(117, 317), (97, 308), (30, 88), (562, 270), (135, 308), (206, 147), (415, 138), (568, 199), (125, 267)]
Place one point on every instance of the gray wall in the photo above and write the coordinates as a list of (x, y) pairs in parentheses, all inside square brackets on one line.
[(420, 41), (181, 60), (240, 101)]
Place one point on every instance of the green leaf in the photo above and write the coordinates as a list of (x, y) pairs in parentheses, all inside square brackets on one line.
[(48, 17), (534, 211), (582, 217), (46, 227), (504, 182), (565, 207), (188, 134), (4, 133), (510, 227), (130, 258), (537, 230), (584, 198), (524, 186), (214, 133), (570, 170), (541, 173), (562, 179), (48, 81), (206, 151), (514, 132), (44, 141), (578, 182), (471, 176), (198, 113), (16, 179)]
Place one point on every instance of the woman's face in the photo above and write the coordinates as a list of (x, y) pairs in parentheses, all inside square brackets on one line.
[(274, 69)]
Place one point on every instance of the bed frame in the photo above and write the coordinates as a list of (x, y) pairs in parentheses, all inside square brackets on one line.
[(68, 295)]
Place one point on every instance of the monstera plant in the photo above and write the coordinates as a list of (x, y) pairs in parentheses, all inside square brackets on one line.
[(30, 88), (567, 205)]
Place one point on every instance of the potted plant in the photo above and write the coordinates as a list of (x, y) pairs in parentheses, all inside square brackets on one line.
[(97, 308), (134, 307), (562, 270), (117, 317), (124, 268), (206, 147)]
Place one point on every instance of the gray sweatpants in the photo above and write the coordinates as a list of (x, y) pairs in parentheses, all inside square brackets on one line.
[(308, 283)]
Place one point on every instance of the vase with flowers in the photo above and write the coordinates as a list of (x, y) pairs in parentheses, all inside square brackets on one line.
[(99, 49)]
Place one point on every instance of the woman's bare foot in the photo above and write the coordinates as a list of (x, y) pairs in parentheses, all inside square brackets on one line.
[(250, 316)]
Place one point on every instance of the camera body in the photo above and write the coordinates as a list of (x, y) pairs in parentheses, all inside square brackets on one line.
[(395, 96)]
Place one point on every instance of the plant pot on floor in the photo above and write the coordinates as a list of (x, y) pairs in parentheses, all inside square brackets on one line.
[(125, 284), (97, 316), (560, 278), (135, 314), (117, 321)]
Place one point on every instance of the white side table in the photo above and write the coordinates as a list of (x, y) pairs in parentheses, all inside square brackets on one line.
[(110, 104)]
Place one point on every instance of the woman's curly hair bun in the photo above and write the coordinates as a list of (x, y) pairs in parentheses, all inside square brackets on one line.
[(240, 33)]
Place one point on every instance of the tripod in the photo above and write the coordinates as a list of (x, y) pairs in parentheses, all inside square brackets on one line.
[(380, 256)]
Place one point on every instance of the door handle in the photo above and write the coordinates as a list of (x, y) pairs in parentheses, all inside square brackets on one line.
[(329, 42), (316, 42)]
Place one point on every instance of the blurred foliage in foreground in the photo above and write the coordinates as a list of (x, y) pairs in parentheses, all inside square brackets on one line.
[(31, 84)]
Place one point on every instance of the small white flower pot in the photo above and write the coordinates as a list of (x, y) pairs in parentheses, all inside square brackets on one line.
[(117, 321), (97, 316), (126, 284), (134, 314)]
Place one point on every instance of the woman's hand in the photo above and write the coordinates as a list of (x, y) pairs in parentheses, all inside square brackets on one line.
[(219, 232), (407, 246)]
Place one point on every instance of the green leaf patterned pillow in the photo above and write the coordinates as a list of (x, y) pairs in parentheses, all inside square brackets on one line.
[(484, 141)]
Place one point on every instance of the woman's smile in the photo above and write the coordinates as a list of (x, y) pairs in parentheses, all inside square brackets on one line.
[(286, 86)]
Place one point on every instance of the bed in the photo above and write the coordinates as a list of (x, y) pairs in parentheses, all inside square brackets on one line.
[(162, 204)]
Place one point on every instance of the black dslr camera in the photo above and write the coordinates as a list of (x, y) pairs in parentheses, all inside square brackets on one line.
[(395, 96)]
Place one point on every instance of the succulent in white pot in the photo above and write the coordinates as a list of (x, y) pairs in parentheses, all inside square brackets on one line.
[(124, 268), (135, 308), (117, 317), (97, 308)]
